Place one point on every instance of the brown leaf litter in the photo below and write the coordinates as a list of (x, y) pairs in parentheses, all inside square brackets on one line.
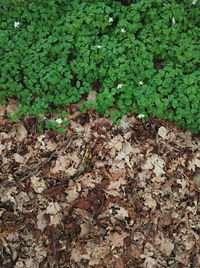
[(111, 196)]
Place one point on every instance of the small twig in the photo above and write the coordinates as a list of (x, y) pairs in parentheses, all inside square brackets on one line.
[(39, 167)]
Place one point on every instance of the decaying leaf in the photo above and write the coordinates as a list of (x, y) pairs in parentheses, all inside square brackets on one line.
[(38, 184)]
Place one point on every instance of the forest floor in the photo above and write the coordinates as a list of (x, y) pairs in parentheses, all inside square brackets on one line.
[(99, 195)]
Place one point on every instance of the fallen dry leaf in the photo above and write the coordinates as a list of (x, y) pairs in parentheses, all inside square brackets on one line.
[(162, 132), (21, 132), (117, 239), (38, 184)]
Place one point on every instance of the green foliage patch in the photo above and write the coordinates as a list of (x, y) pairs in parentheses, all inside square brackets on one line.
[(139, 56)]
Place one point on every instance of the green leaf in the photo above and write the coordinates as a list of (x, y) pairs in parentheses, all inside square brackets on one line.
[(30, 28)]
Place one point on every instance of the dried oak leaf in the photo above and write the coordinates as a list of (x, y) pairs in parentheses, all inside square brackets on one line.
[(80, 203), (55, 190)]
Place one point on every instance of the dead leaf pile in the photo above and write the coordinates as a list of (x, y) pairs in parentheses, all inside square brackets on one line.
[(115, 196)]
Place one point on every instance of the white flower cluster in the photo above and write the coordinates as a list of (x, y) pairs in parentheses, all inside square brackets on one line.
[(119, 86), (59, 120), (110, 19), (16, 24), (140, 116)]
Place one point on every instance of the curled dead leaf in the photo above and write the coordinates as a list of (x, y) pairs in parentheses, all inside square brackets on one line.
[(56, 190)]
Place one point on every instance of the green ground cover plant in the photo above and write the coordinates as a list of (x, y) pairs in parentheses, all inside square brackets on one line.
[(140, 57)]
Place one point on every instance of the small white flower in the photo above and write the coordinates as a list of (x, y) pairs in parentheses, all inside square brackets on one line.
[(16, 24), (123, 30), (59, 120), (110, 19), (173, 20), (194, 2), (140, 83), (140, 116), (119, 86), (99, 46)]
